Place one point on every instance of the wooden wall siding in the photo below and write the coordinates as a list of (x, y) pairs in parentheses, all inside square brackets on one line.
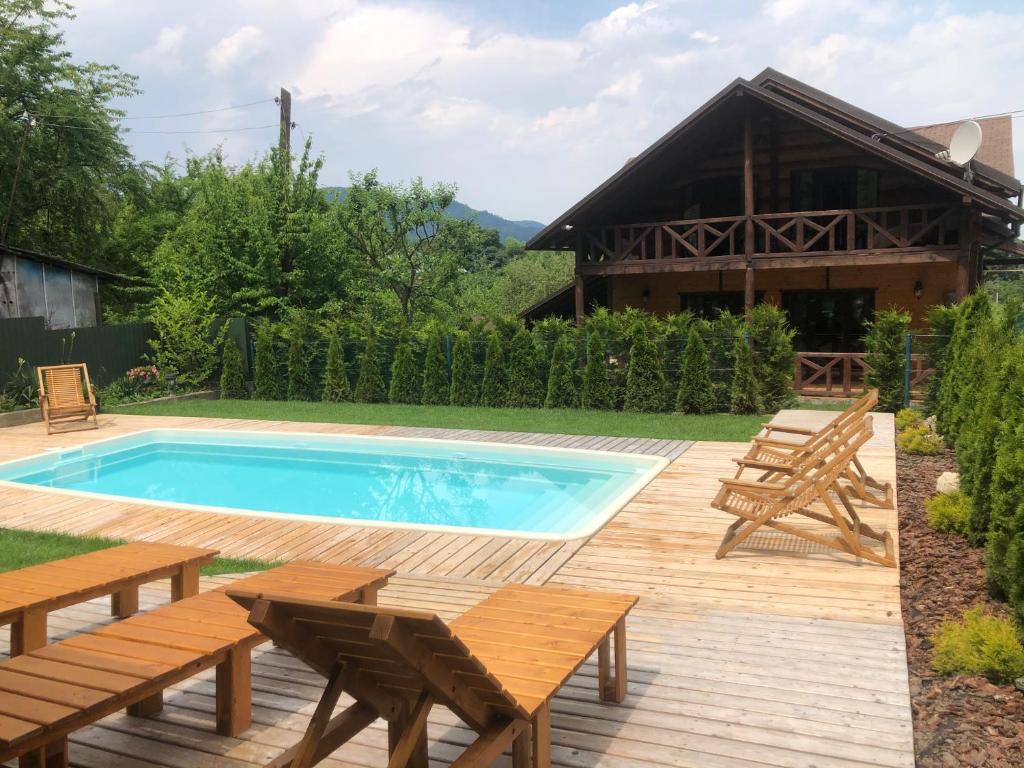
[(893, 286), (774, 658), (781, 145)]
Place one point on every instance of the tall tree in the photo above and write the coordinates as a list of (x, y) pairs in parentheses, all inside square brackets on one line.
[(63, 160), (404, 236)]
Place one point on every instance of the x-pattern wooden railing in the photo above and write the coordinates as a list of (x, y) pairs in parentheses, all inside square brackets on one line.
[(841, 374), (775, 234)]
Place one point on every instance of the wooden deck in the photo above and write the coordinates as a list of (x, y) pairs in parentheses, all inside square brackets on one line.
[(776, 656)]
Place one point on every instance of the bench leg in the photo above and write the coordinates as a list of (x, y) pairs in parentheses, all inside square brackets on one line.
[(52, 755), (612, 687), (407, 734), (29, 632), (522, 754), (368, 596), (185, 583), (149, 706), (541, 737), (124, 603), (234, 692)]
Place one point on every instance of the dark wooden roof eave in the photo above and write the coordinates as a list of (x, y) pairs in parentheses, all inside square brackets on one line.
[(550, 238), (57, 261)]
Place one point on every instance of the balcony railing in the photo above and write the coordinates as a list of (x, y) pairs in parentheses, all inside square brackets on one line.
[(801, 233)]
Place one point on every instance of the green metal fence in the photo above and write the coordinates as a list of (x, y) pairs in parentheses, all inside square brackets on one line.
[(108, 350)]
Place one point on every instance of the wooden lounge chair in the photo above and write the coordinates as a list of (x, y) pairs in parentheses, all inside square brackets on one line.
[(65, 392), (496, 667), (774, 457), (758, 503), (55, 690), (29, 594)]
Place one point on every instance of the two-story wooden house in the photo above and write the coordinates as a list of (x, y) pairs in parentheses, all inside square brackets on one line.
[(775, 191)]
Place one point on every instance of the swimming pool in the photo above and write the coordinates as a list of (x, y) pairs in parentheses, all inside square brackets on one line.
[(460, 486)]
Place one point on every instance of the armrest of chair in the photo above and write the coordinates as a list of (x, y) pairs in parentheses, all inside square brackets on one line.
[(773, 443), (751, 484), (785, 428)]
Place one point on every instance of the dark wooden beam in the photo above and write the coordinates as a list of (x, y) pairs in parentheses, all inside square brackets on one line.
[(709, 264), (748, 212), (965, 257), (580, 299)]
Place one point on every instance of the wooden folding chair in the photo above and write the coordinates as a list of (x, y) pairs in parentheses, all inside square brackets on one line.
[(65, 392), (496, 667), (775, 458), (758, 504)]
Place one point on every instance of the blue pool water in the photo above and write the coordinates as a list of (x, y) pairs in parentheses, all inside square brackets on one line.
[(546, 492)]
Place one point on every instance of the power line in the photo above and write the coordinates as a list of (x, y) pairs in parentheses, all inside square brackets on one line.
[(163, 116), (211, 130), (1013, 113)]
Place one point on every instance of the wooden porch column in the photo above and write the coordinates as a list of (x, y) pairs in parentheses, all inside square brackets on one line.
[(965, 259), (580, 306), (748, 212)]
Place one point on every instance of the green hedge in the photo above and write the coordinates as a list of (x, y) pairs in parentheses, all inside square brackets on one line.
[(979, 408)]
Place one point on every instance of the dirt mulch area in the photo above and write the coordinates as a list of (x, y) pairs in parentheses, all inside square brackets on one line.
[(958, 721)]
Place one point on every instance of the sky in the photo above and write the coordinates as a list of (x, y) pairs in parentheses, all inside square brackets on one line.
[(526, 105)]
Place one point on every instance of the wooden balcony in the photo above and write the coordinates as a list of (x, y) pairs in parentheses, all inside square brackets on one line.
[(842, 374), (804, 238)]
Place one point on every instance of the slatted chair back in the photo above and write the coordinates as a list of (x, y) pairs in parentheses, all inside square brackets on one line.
[(394, 655), (64, 385), (823, 469)]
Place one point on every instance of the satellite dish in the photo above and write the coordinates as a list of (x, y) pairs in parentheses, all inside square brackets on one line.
[(965, 143)]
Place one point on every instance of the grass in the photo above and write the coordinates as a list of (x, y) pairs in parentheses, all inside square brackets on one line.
[(721, 427), (19, 549)]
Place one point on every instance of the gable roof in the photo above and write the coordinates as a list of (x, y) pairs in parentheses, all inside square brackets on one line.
[(872, 134)]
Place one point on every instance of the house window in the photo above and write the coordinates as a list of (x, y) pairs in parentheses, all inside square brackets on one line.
[(713, 197), (827, 189), (713, 303), (829, 321)]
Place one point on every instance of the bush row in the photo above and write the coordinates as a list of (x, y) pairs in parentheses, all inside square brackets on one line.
[(978, 402), (631, 361)]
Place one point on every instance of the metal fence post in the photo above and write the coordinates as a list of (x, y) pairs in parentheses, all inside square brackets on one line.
[(908, 346), (448, 353)]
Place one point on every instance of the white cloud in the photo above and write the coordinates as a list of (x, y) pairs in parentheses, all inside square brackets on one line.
[(165, 53), (236, 48), (704, 37)]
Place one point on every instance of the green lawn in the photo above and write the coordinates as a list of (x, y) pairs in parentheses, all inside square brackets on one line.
[(19, 549), (572, 422)]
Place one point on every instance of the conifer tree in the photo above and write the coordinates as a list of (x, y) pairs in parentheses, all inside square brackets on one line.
[(645, 382), (232, 380), (596, 392), (300, 379), (464, 388), (885, 344), (405, 376), (494, 389), (562, 374), (267, 386), (695, 394), (436, 387), (744, 393), (956, 388), (337, 388), (370, 387), (524, 383), (773, 357)]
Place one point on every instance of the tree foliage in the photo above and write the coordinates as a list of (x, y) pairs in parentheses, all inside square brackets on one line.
[(596, 391), (494, 387), (266, 386), (184, 343), (695, 394), (745, 395), (436, 386), (645, 380), (772, 340), (525, 387), (232, 378), (885, 344), (337, 388), (406, 380), (371, 387), (464, 387), (562, 390)]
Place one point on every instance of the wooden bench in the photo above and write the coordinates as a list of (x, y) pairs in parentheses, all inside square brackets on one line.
[(53, 691), (497, 667), (29, 594), (65, 392)]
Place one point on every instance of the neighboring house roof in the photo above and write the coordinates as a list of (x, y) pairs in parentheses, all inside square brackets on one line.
[(45, 258), (858, 127), (996, 141)]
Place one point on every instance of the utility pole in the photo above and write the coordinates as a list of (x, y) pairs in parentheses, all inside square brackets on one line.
[(284, 101)]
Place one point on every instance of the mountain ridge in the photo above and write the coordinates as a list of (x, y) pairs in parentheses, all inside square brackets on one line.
[(520, 229)]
